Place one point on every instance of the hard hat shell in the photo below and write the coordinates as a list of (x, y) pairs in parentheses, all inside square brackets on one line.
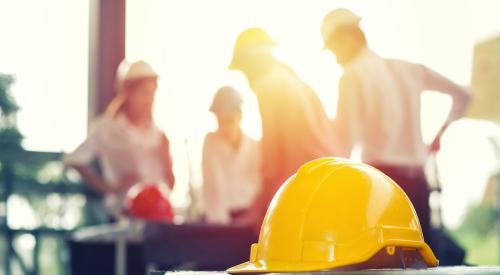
[(120, 75), (128, 73), (335, 213), (336, 19), (226, 101), (252, 40), (146, 201), (140, 69)]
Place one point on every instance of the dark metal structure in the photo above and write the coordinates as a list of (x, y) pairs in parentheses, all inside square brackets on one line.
[(106, 51), (13, 182)]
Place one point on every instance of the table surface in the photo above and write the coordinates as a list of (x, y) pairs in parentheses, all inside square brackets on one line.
[(130, 231), (457, 270)]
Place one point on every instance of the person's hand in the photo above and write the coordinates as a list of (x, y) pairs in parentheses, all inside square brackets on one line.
[(435, 146)]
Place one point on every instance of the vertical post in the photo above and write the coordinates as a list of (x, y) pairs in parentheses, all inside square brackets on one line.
[(36, 253), (106, 51), (7, 178), (497, 187), (496, 182), (121, 255)]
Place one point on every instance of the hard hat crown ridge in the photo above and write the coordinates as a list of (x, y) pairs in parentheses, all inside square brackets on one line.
[(140, 69), (250, 42), (253, 37)]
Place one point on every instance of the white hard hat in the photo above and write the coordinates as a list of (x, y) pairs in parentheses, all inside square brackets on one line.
[(125, 72), (140, 69), (338, 18), (226, 101)]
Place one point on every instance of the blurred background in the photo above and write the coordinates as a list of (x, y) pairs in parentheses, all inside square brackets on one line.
[(50, 50)]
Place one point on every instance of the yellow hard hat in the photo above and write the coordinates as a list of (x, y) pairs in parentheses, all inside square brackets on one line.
[(338, 214), (336, 19), (252, 40)]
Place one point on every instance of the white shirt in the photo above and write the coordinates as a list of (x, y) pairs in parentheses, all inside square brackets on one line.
[(379, 108), (122, 149), (231, 178)]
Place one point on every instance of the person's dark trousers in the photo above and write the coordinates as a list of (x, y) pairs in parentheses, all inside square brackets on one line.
[(413, 181)]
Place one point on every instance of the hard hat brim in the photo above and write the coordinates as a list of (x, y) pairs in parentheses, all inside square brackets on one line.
[(277, 266), (259, 267)]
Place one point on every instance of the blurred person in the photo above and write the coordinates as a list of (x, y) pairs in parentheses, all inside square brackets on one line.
[(295, 128), (231, 160), (130, 148), (379, 108)]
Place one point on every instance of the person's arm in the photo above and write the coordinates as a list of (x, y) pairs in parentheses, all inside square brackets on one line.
[(255, 160), (460, 99), (82, 157), (213, 193), (347, 124), (100, 185), (167, 161), (272, 108)]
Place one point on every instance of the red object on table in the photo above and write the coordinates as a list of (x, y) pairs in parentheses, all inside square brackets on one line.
[(147, 201)]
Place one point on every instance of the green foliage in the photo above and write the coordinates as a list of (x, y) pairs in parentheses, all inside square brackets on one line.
[(10, 137), (479, 220), (479, 236), (7, 104), (481, 249)]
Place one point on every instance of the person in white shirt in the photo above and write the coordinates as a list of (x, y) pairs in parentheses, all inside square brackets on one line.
[(128, 145), (379, 108), (231, 177)]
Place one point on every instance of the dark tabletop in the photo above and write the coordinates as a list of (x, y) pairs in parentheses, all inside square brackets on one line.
[(458, 270)]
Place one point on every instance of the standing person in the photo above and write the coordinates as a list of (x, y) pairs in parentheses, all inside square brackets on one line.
[(295, 128), (231, 177), (125, 140), (379, 108)]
